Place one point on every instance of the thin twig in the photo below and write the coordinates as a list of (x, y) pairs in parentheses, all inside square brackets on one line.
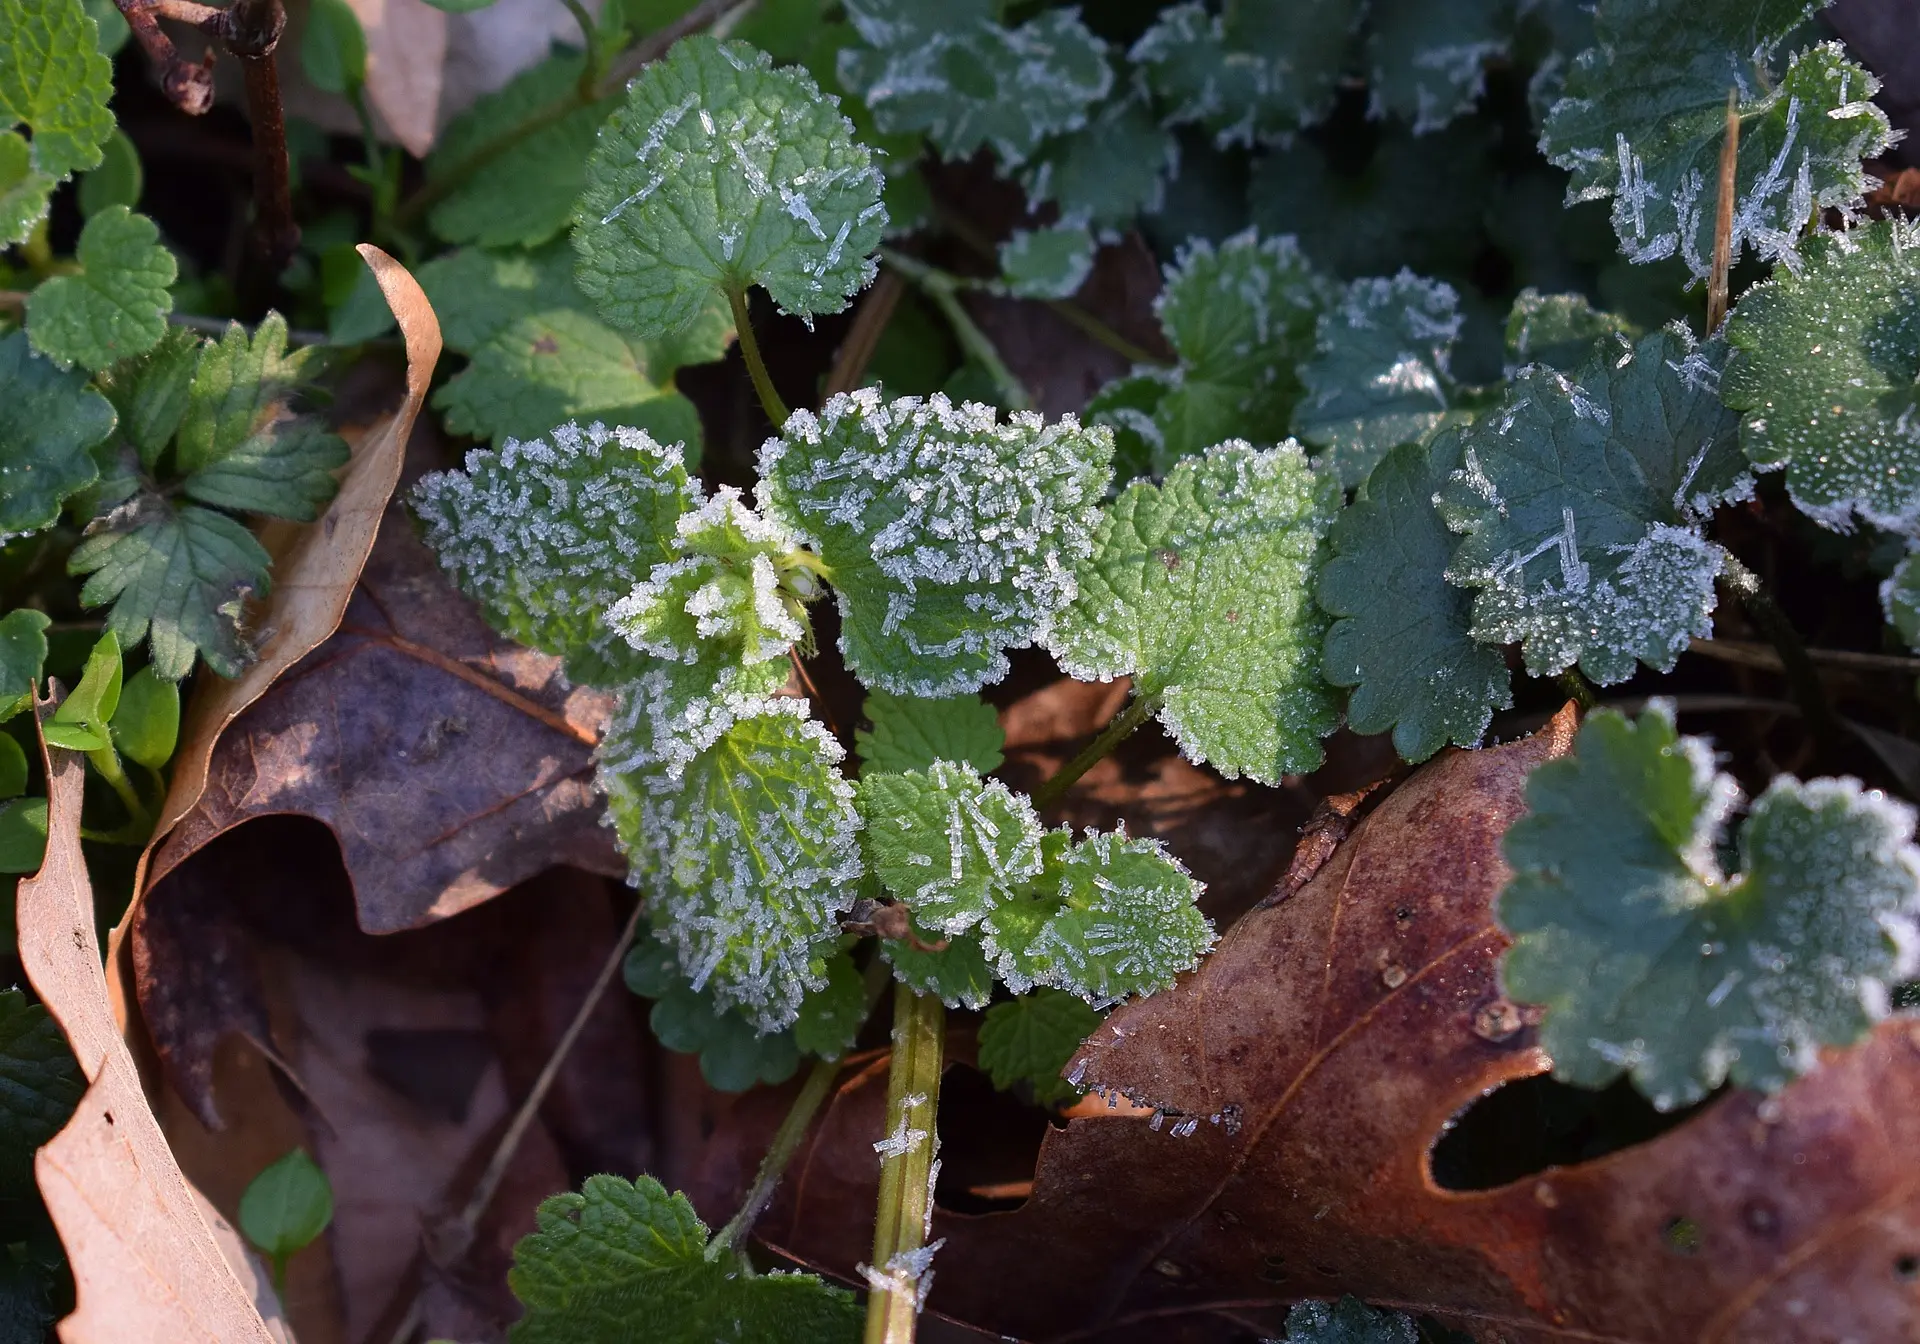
[(863, 336), (188, 85), (1723, 218), (253, 35)]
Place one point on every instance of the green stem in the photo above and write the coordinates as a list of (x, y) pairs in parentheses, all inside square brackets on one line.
[(1578, 689), (786, 1142), (906, 1168), (756, 367), (106, 763), (1802, 676), (944, 289), (1137, 711), (279, 1263)]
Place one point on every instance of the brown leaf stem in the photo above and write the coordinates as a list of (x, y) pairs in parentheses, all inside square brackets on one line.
[(188, 85)]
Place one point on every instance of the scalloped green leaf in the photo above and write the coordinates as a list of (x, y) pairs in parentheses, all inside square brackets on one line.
[(54, 80), (911, 733), (1047, 263), (23, 652), (946, 843), (25, 191), (948, 536), (733, 1055), (116, 305), (720, 172), (1200, 591), (478, 294), (1031, 1038), (669, 711), (957, 974), (150, 392), (48, 420), (1562, 331), (1654, 962), (1580, 500), (1110, 171)]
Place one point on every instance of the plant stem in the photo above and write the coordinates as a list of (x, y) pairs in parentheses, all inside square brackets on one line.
[(1104, 334), (1802, 676), (786, 1142), (1578, 689), (944, 289), (906, 1168), (1723, 217), (756, 367), (188, 85), (106, 763), (1137, 711)]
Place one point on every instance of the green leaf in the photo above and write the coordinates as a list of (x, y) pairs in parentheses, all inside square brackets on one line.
[(948, 536), (1110, 171), (1426, 59), (333, 50), (1562, 331), (949, 70), (1827, 354), (23, 835), (1348, 1321), (287, 1206), (146, 726), (1644, 118), (1404, 639), (1654, 962), (547, 534), (1129, 407), (957, 973), (23, 651), (910, 733), (118, 180), (1900, 599), (80, 723), (1199, 590), (721, 172), (182, 575), (750, 855), (1046, 263), (14, 771), (733, 1055), (946, 843), (150, 392), (24, 190), (1581, 501), (1031, 1038), (1379, 375), (831, 1018), (40, 1084), (286, 471), (477, 295), (48, 420), (54, 79), (617, 1244)]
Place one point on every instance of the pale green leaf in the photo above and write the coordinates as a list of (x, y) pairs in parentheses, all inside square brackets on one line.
[(24, 189), (116, 305), (118, 180), (1110, 171), (333, 49), (1046, 263), (541, 370), (477, 295), (48, 421), (287, 1206), (80, 723), (1258, 71), (910, 733), (1427, 59), (946, 843), (1031, 1038), (146, 725), (1562, 331), (54, 79), (23, 652)]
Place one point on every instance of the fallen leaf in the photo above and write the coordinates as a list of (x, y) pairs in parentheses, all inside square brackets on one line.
[(406, 59)]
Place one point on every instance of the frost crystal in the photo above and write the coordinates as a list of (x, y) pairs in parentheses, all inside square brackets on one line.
[(948, 844)]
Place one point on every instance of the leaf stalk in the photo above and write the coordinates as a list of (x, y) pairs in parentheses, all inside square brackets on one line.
[(900, 1250), (756, 366), (1136, 712)]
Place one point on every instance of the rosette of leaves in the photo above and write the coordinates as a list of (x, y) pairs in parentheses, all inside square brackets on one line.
[(1581, 501), (1643, 118), (55, 82), (1656, 962), (947, 535)]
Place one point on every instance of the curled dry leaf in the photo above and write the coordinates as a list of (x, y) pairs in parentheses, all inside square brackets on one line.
[(1303, 1074)]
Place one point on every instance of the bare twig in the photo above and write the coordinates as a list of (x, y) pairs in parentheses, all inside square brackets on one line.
[(188, 85), (1723, 219), (863, 337)]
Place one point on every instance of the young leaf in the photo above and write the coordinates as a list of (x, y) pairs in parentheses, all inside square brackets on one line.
[(40, 1082), (1823, 373), (23, 651), (81, 722), (671, 711), (1562, 331), (54, 80), (1644, 118), (287, 1206), (1046, 263), (910, 733), (947, 536), (946, 843), (150, 392), (48, 421), (751, 855), (599, 1253), (721, 172), (1031, 1038), (733, 1055), (1110, 171), (1653, 961), (1199, 590), (1426, 59), (1581, 500), (1348, 1321), (1404, 640), (146, 726), (333, 50), (116, 305)]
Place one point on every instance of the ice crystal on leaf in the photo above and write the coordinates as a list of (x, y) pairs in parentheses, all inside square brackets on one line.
[(1561, 331), (947, 535), (1581, 501), (948, 844), (909, 733), (1900, 599), (1426, 59), (1199, 590), (1046, 263), (1348, 1321), (1654, 962), (1110, 171), (1031, 1038)]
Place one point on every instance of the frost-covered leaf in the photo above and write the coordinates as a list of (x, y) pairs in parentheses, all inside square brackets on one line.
[(669, 711), (1031, 1038), (48, 421), (1348, 1321), (181, 575), (617, 1247), (1199, 590), (1426, 59), (1644, 116), (910, 733), (720, 172), (948, 536), (733, 1055), (1128, 406), (1046, 263), (831, 1018), (1900, 599), (23, 651), (55, 81), (1259, 70), (547, 534), (116, 305), (1824, 376), (1581, 500), (957, 974), (751, 856), (1654, 961), (1110, 171), (1404, 639), (1379, 375), (946, 843), (1558, 330), (150, 392), (24, 190), (948, 69)]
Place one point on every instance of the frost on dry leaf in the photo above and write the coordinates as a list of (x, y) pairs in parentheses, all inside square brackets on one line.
[(1581, 502), (750, 855), (948, 536), (721, 172), (1643, 119), (1823, 376), (1655, 962), (948, 844), (1200, 591)]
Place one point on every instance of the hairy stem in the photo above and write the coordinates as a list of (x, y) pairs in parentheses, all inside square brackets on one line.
[(906, 1168), (786, 1142), (944, 289), (1802, 676), (1136, 712), (756, 367)]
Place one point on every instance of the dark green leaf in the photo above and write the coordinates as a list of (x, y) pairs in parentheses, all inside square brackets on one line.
[(831, 1018), (909, 733), (150, 392), (117, 181), (23, 651), (23, 835), (40, 1083), (48, 421), (1031, 1038)]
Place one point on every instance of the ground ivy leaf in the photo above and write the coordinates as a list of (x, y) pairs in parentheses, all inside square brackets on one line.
[(54, 79), (957, 973), (733, 1055), (1427, 59), (1824, 376), (1047, 263), (151, 390), (599, 1252), (1348, 1321), (751, 855), (477, 294), (946, 843), (831, 1018), (910, 733), (116, 305), (1031, 1038), (181, 575), (947, 535), (1654, 962), (24, 190), (1404, 639), (40, 1083), (1561, 331), (1899, 598), (1129, 407), (48, 421), (1644, 116), (671, 710), (722, 172), (1110, 171), (1199, 590), (1379, 375), (23, 652), (948, 69), (1581, 500), (547, 534)]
